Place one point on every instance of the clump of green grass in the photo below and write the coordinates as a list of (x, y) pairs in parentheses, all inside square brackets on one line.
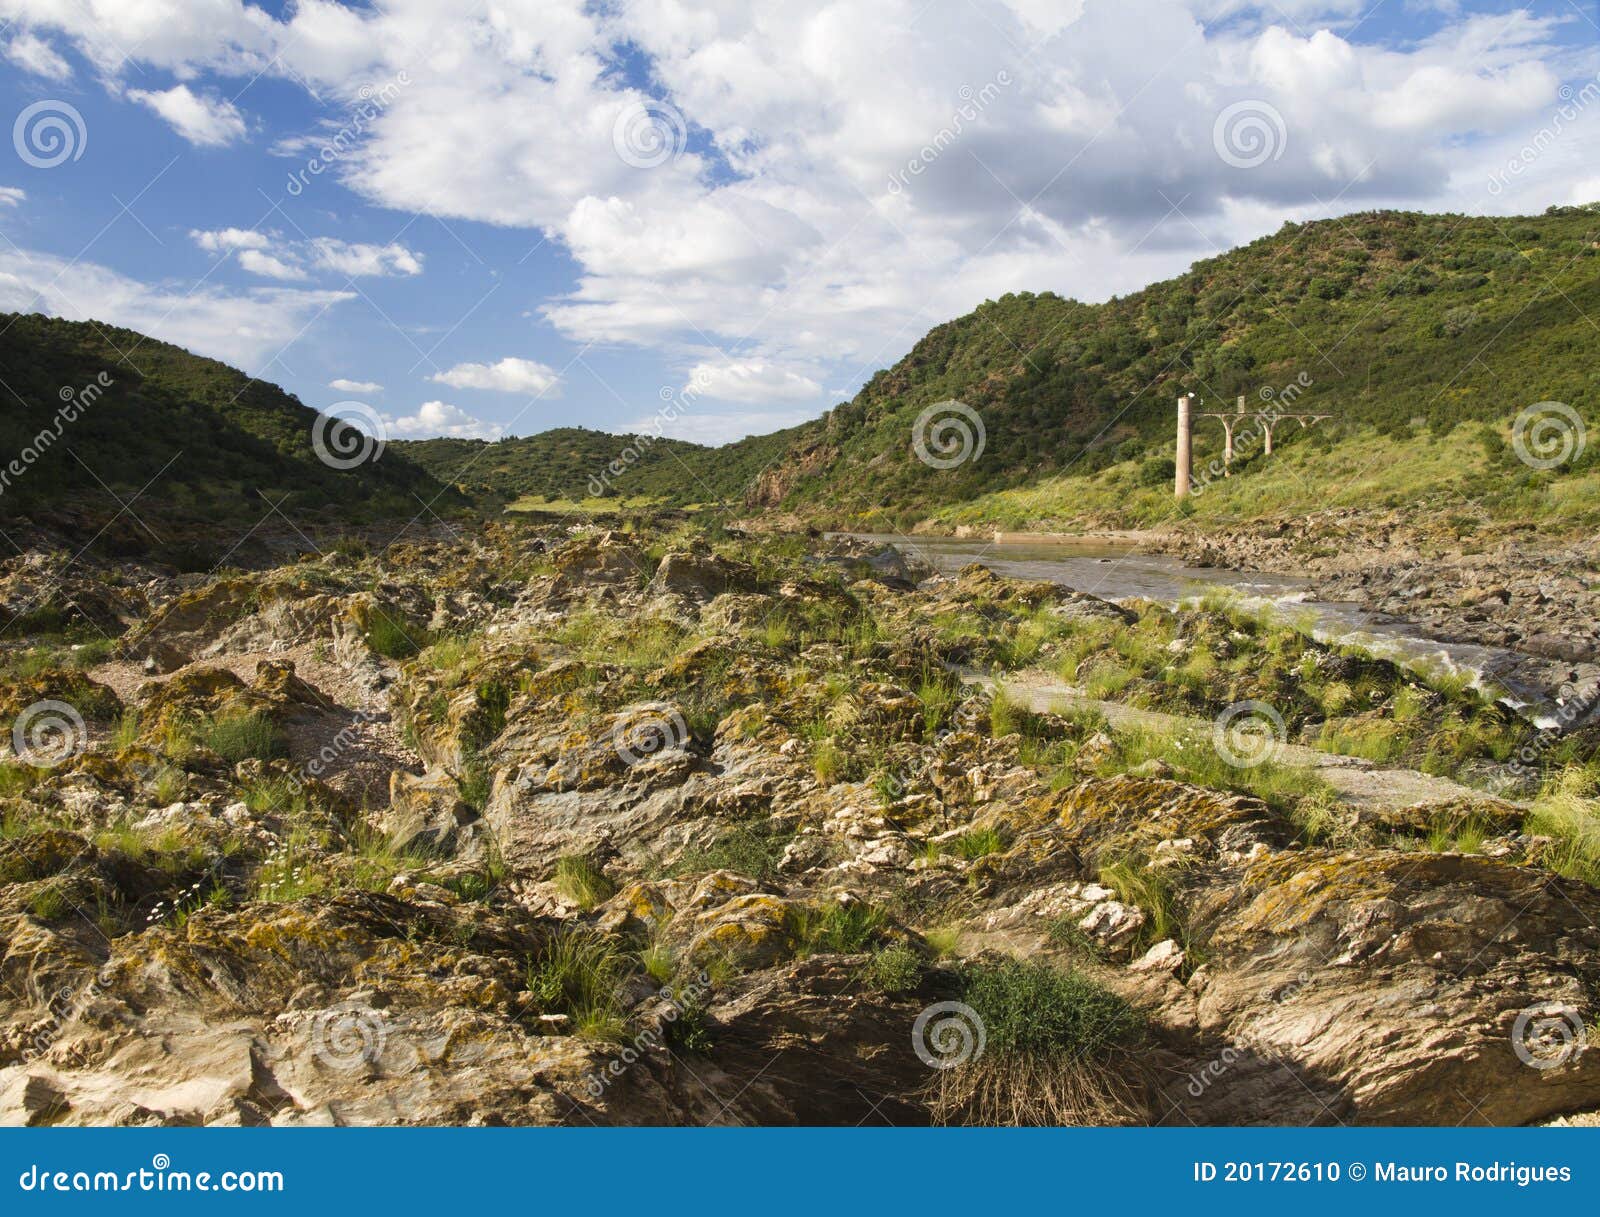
[(242, 735), (16, 779), (1567, 808), (126, 733), (1058, 1050), (839, 929), (829, 762), (1002, 713), (577, 974), (390, 635), (1195, 759), (754, 849), (290, 872), (1149, 890), (1375, 739), (169, 784), (49, 903), (975, 843), (944, 941), (278, 794), (581, 881), (938, 697), (476, 779)]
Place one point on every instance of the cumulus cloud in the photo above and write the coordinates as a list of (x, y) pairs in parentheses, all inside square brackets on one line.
[(436, 418), (270, 255), (357, 260), (858, 173), (10, 196), (355, 386), (34, 54), (752, 381), (509, 375), (249, 329), (203, 120), (225, 240), (270, 266)]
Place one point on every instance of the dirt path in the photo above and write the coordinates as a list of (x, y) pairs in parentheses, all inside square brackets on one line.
[(1352, 779), (357, 743)]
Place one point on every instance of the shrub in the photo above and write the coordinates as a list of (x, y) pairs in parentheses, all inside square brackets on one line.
[(895, 969), (1057, 1050)]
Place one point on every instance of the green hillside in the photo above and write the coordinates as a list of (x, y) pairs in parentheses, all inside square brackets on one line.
[(1402, 324), (112, 417)]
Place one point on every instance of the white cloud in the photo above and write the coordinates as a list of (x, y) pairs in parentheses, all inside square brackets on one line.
[(270, 255), (705, 427), (10, 196), (209, 122), (34, 54), (509, 375), (258, 262), (223, 240), (248, 329), (355, 386), (750, 381), (856, 170), (434, 418), (357, 260)]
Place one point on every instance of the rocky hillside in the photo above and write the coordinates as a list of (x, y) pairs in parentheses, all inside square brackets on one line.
[(599, 828), (98, 417)]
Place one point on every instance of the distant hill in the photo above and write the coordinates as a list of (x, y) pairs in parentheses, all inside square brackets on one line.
[(178, 438), (576, 463)]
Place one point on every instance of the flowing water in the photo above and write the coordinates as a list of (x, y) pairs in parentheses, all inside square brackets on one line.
[(1122, 572)]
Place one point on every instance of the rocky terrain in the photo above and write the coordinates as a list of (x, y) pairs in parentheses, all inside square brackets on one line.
[(538, 826), (1509, 587)]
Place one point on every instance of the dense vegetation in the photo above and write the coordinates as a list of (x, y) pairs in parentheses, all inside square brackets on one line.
[(1401, 324), (574, 464), (190, 438)]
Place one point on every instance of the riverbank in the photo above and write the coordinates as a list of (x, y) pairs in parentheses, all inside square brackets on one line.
[(1513, 616)]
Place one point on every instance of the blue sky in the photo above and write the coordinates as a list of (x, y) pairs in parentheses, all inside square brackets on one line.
[(547, 214)]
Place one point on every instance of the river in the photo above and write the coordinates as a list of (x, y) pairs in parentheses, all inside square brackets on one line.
[(1122, 572)]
